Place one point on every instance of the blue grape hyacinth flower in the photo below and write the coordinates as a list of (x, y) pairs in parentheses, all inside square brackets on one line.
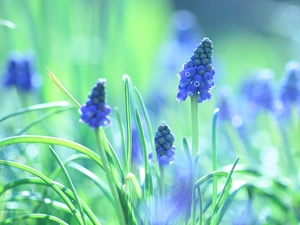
[(95, 112), (19, 72), (165, 150), (197, 74), (259, 90), (290, 87)]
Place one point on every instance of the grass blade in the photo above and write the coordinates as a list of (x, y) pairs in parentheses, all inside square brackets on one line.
[(70, 183), (48, 105), (63, 90), (33, 216), (49, 183)]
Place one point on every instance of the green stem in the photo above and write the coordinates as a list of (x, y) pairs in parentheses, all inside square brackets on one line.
[(162, 197), (195, 150), (195, 132), (214, 158), (200, 205), (109, 177)]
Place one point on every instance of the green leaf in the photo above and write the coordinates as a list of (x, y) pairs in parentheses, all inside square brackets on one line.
[(63, 90), (70, 183), (48, 105), (52, 141), (49, 182), (43, 217), (64, 189)]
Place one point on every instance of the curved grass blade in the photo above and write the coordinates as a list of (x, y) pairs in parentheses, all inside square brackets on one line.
[(190, 180), (49, 105), (70, 183), (65, 190), (63, 90), (218, 173), (33, 216), (148, 191), (114, 158), (34, 198), (136, 185), (55, 172), (49, 183), (148, 187), (149, 126), (114, 187), (214, 160), (227, 185), (53, 141), (226, 189), (40, 119), (126, 79), (124, 154), (274, 199), (94, 178)]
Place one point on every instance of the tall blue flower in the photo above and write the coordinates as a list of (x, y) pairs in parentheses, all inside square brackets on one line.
[(290, 89), (19, 72), (95, 112), (259, 90), (197, 74), (165, 150)]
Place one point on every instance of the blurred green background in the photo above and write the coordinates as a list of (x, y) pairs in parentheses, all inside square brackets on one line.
[(80, 41)]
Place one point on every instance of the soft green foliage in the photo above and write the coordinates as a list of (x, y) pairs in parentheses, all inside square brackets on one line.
[(55, 170)]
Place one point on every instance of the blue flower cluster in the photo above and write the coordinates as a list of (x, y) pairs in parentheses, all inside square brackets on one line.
[(290, 89), (95, 112), (165, 150), (197, 74), (259, 90), (19, 72)]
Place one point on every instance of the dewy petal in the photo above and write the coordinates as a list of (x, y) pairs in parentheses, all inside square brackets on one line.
[(104, 122), (204, 96), (185, 81), (190, 72), (181, 74), (171, 160), (208, 78), (182, 95), (164, 160), (170, 152), (191, 89)]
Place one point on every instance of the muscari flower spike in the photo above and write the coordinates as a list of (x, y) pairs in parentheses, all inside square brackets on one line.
[(197, 74), (290, 89), (95, 112), (19, 72), (259, 90), (165, 150)]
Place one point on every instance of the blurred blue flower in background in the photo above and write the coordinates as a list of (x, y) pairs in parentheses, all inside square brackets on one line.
[(165, 150), (197, 74), (259, 90), (136, 153), (19, 72), (95, 112), (226, 110), (290, 85)]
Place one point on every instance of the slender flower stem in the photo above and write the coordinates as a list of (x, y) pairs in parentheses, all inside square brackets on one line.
[(195, 132), (195, 148), (109, 177), (214, 156), (162, 197)]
